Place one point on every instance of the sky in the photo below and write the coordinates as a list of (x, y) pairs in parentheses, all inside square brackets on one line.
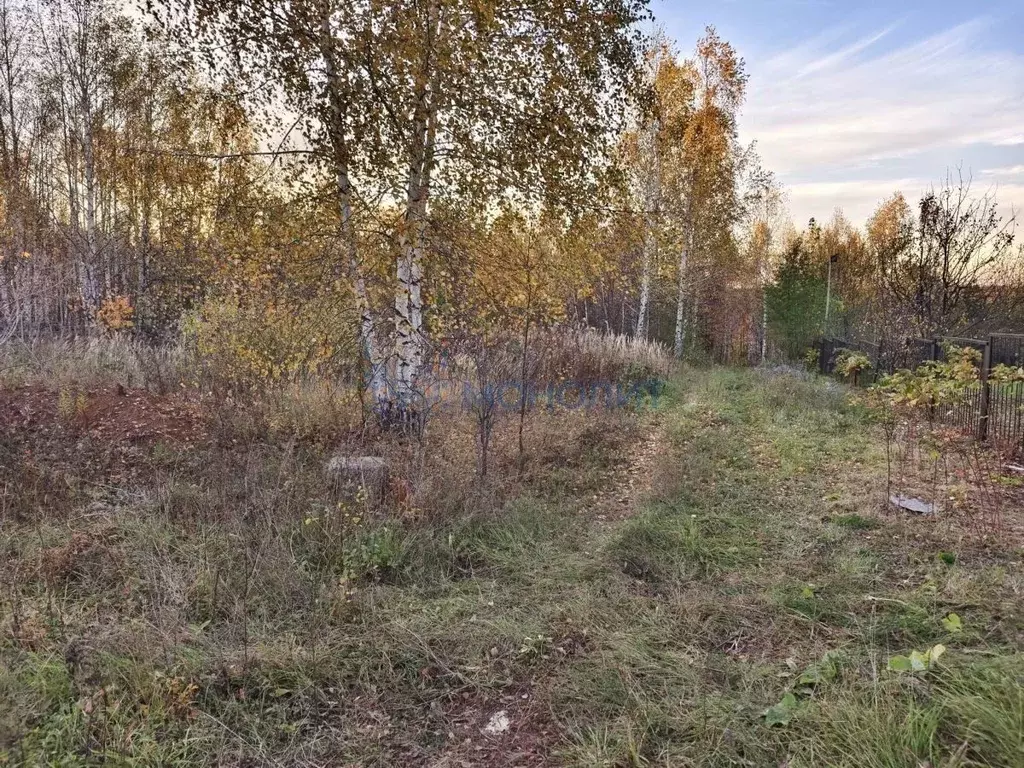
[(850, 102)]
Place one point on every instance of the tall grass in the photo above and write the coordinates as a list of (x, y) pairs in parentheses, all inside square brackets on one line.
[(590, 357), (583, 357), (96, 362)]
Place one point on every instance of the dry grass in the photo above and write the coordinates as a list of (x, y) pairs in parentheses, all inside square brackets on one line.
[(229, 605), (574, 362), (95, 362), (592, 358)]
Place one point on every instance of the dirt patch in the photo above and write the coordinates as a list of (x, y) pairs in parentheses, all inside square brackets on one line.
[(114, 415), (631, 480), (513, 729), (27, 409)]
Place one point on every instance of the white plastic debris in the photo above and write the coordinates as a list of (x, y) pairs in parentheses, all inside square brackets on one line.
[(498, 724)]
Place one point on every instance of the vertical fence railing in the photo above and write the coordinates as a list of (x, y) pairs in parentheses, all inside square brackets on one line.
[(1006, 410), (984, 395), (990, 410)]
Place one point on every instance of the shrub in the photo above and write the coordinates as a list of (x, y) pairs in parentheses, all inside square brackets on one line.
[(241, 344), (812, 358), (116, 313), (935, 382), (850, 364)]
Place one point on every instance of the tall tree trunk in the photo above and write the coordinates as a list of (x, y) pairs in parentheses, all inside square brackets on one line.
[(90, 252), (376, 379), (643, 307), (763, 276), (652, 206), (684, 259), (409, 337), (680, 338), (524, 370), (764, 326)]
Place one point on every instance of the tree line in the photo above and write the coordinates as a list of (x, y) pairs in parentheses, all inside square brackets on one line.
[(365, 187), (948, 265)]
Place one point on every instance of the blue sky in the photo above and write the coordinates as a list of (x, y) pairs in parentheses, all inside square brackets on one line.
[(851, 101)]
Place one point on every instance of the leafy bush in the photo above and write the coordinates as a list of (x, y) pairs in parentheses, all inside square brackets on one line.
[(935, 382), (242, 344), (116, 314), (1006, 374), (850, 363), (812, 358)]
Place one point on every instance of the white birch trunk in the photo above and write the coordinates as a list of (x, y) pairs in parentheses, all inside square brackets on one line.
[(90, 287), (684, 258), (651, 162), (409, 337), (680, 338), (764, 309), (377, 379)]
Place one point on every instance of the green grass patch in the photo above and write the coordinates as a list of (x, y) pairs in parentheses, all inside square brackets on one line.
[(855, 522), (744, 615)]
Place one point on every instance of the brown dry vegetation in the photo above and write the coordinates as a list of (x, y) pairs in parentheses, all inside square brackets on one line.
[(639, 594)]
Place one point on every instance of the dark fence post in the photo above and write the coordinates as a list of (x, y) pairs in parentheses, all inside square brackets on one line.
[(935, 348), (986, 367)]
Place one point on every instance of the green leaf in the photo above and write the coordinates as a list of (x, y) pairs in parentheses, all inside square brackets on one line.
[(918, 661), (900, 664), (810, 676), (824, 671), (953, 624), (781, 713)]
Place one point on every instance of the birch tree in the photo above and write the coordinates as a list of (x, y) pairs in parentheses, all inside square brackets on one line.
[(706, 180), (646, 181), (407, 102), (765, 217), (76, 40), (651, 154), (14, 73), (107, 192)]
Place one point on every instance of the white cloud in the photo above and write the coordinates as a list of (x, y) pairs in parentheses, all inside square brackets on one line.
[(859, 199), (1008, 170), (1011, 199), (824, 111)]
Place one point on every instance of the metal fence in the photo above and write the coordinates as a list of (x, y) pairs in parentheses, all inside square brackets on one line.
[(988, 409)]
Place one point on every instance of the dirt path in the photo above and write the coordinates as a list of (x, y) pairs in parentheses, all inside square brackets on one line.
[(631, 482)]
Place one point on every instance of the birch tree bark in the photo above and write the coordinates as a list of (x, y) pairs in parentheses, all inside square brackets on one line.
[(652, 208), (409, 333), (90, 251), (684, 259), (376, 378)]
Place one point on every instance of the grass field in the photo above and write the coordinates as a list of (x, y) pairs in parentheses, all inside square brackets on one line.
[(736, 599)]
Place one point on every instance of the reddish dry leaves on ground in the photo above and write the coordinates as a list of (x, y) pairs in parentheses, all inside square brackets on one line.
[(113, 415)]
